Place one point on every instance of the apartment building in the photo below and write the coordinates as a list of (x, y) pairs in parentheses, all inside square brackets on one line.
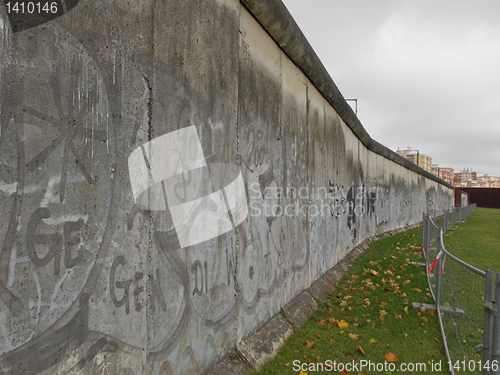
[(447, 174), (468, 178), (422, 160)]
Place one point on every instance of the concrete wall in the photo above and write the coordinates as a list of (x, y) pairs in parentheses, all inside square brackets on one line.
[(92, 281)]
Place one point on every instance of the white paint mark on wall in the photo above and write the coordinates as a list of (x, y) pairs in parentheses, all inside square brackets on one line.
[(10, 189), (64, 218), (51, 196), (176, 159)]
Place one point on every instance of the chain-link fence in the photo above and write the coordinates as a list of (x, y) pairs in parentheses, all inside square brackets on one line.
[(464, 298)]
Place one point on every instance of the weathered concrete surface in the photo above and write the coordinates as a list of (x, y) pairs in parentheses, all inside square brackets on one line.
[(232, 364), (299, 309), (93, 282), (265, 343)]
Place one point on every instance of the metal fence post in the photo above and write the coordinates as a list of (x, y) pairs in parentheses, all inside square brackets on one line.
[(438, 282), (489, 295), (425, 235), (445, 224), (495, 342), (438, 275), (469, 308)]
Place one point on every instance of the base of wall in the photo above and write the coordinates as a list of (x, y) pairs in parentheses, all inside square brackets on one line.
[(263, 345)]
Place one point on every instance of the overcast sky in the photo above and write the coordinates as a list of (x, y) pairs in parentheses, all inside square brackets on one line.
[(426, 73)]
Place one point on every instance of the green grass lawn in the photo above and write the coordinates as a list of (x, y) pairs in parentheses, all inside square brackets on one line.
[(368, 318), (477, 240)]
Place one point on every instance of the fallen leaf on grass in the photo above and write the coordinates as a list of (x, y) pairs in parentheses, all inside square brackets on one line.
[(321, 322), (373, 272), (302, 372), (343, 324), (317, 335), (391, 357), (406, 310), (344, 372), (309, 344), (317, 358), (353, 336), (360, 349), (373, 341), (332, 320), (332, 341)]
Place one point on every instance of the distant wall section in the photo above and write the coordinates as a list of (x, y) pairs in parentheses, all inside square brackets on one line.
[(483, 197)]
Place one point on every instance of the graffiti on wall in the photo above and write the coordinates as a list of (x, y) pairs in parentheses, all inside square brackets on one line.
[(171, 171), (107, 264)]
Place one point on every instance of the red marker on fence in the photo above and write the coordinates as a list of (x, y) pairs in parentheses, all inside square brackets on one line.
[(431, 268), (442, 269)]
